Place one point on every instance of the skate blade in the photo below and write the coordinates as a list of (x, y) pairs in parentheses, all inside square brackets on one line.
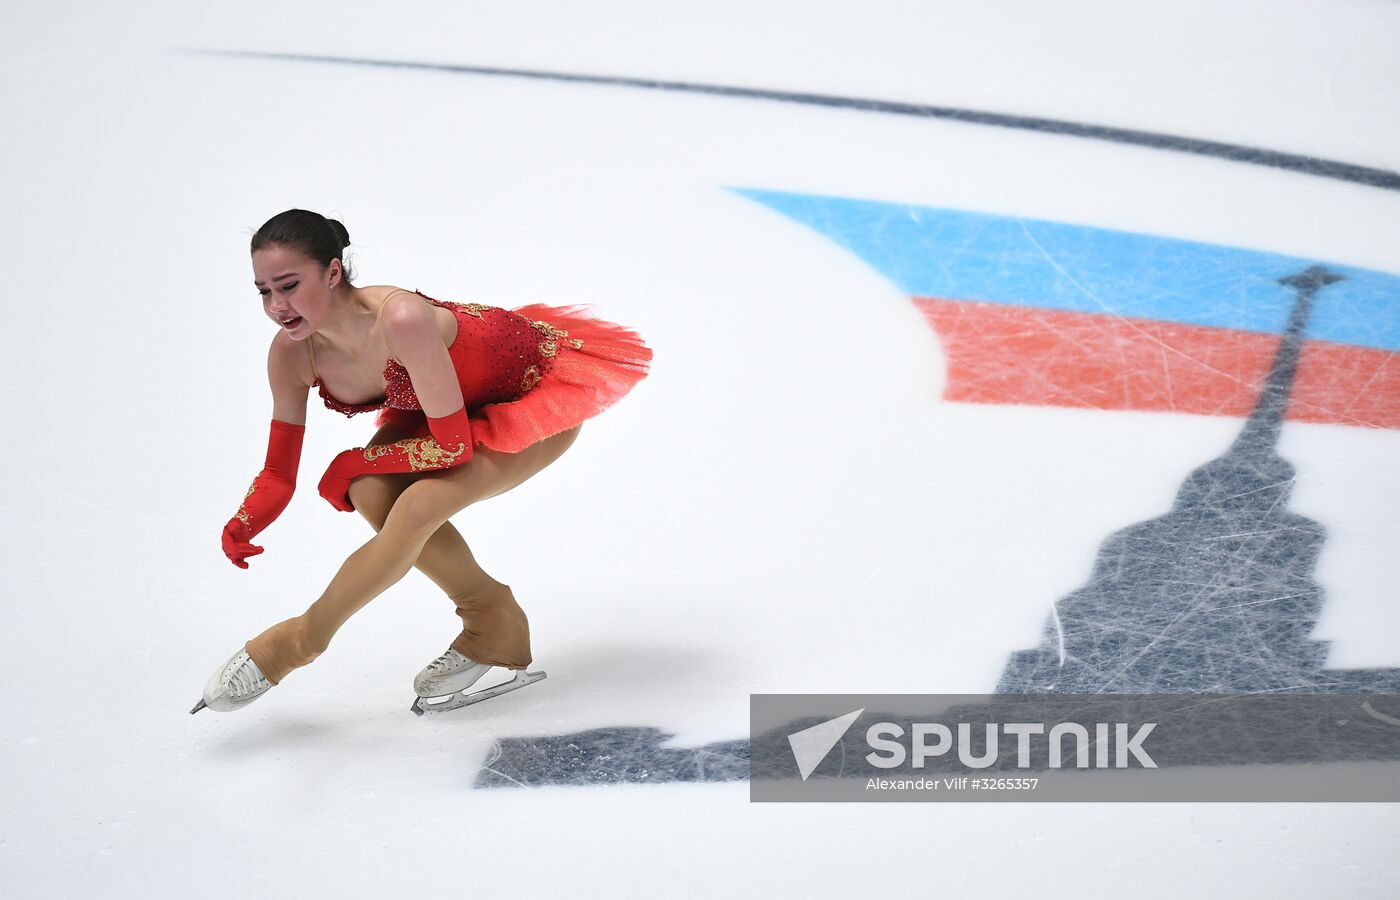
[(460, 699)]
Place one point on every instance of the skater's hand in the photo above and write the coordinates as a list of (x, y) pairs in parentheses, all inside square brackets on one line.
[(236, 543), (335, 484), (268, 495)]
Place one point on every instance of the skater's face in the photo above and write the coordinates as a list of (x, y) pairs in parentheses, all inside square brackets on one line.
[(295, 289)]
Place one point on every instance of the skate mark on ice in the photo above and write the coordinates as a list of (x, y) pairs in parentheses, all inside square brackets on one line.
[(1215, 597), (1208, 731), (620, 755)]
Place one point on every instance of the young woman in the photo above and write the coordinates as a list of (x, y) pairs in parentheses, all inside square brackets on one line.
[(472, 400)]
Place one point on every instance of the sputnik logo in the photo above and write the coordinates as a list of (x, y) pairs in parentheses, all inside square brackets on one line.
[(811, 745)]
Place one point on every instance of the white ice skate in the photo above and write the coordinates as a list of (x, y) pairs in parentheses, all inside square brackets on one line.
[(450, 675), (234, 685)]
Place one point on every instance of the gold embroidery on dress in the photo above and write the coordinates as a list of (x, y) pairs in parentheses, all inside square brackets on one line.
[(548, 329), (548, 346), (242, 514), (530, 379), (374, 452), (475, 309)]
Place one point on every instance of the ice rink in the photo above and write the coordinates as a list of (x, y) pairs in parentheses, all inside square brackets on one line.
[(965, 316)]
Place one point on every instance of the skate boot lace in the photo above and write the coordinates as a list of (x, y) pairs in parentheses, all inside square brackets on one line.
[(442, 663), (246, 680)]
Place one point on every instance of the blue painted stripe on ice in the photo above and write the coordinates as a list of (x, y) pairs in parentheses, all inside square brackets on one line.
[(960, 255)]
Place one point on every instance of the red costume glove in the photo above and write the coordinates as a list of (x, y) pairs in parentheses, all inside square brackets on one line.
[(450, 445), (269, 493)]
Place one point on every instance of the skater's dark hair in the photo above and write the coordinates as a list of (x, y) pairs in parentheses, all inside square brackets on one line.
[(310, 232)]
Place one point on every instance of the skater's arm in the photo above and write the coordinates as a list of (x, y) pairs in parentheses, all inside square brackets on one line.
[(450, 444), (272, 488), (289, 376), (412, 335)]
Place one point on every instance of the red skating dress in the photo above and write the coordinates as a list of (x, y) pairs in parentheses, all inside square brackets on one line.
[(526, 373)]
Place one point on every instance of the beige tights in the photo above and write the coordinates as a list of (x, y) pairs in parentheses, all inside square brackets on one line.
[(410, 515)]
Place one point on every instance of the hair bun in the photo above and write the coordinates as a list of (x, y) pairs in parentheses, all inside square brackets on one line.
[(341, 231)]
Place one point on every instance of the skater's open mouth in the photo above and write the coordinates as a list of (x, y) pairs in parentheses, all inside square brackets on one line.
[(291, 323)]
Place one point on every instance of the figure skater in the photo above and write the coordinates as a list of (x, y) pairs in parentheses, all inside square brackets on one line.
[(472, 400)]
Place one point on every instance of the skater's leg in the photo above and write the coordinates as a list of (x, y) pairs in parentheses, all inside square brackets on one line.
[(416, 515), (495, 629)]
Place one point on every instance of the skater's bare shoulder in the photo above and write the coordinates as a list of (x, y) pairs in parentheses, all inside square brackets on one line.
[(290, 377)]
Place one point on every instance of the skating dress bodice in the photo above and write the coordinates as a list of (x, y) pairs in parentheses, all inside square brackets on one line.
[(498, 355)]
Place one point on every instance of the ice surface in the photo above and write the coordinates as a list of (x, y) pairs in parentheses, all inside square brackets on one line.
[(790, 503)]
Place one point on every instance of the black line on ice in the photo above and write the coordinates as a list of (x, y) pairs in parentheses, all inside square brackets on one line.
[(1258, 156)]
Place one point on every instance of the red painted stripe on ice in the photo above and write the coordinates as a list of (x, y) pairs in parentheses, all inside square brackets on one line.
[(999, 353)]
